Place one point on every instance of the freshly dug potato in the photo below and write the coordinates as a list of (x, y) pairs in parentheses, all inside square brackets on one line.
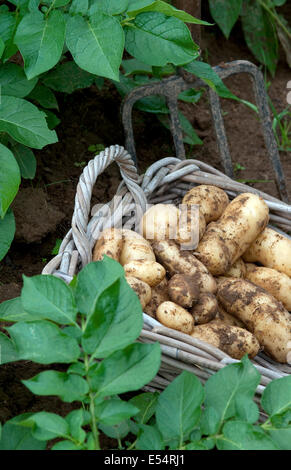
[(183, 290), (177, 261), (205, 309), (160, 222), (261, 313), (223, 317), (109, 243), (238, 269), (142, 290), (192, 226), (150, 272), (159, 295), (233, 340), (272, 250), (211, 199), (135, 247), (276, 283), (227, 239), (174, 316)]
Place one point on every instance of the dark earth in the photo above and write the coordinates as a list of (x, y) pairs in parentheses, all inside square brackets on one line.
[(43, 207)]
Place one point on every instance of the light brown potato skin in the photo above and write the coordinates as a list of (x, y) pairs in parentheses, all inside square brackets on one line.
[(177, 261), (174, 316), (135, 247), (160, 222), (205, 309), (276, 283), (238, 269), (227, 239), (183, 290), (234, 341), (159, 295), (109, 243), (211, 199), (142, 290), (192, 225), (151, 272), (261, 313), (272, 250), (224, 317)]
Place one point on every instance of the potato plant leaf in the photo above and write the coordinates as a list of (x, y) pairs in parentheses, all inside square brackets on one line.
[(239, 435), (68, 77), (25, 159), (225, 13), (156, 39), (16, 437), (13, 81), (7, 232), (9, 178), (8, 351)]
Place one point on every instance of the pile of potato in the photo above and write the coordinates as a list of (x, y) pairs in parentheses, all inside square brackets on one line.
[(224, 278)]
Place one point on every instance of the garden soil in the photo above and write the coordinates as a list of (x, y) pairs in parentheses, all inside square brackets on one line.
[(43, 208)]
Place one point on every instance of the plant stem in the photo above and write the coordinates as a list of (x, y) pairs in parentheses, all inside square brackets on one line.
[(275, 17), (92, 407)]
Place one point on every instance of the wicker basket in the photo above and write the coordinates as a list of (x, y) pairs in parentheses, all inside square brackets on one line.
[(165, 181)]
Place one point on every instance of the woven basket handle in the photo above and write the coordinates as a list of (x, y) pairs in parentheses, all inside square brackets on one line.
[(88, 178)]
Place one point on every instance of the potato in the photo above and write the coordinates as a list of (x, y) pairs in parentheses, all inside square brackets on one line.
[(159, 295), (276, 283), (211, 199), (177, 261), (142, 290), (135, 247), (160, 222), (227, 239), (233, 340), (272, 250), (174, 316), (205, 309), (238, 269), (261, 313), (183, 290), (192, 226), (109, 243), (223, 317), (150, 272)]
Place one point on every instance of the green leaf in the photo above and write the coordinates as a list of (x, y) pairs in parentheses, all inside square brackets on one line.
[(113, 411), (150, 438), (238, 435), (96, 44), (9, 179), (69, 387), (33, 5), (40, 40), (12, 310), (260, 34), (281, 436), (210, 421), (13, 81), (117, 431), (50, 297), (25, 159), (2, 47), (57, 3), (8, 352), (156, 39), (225, 13), (179, 407), (169, 10), (134, 66), (8, 25), (116, 322), (111, 7), (126, 370), (43, 342), (276, 398), (75, 420), (25, 123), (191, 95), (67, 78), (190, 136), (79, 7), (51, 119), (44, 96), (231, 389), (7, 231), (66, 445), (46, 426), (92, 280), (146, 403), (16, 437)]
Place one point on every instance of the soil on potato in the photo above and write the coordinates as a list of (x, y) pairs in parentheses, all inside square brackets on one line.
[(43, 208)]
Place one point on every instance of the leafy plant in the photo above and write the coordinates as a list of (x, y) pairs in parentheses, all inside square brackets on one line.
[(91, 326), (262, 26)]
